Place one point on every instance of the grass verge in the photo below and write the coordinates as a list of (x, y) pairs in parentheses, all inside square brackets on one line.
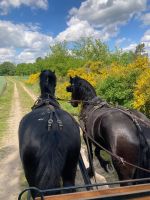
[(5, 106), (3, 84), (26, 103), (25, 100)]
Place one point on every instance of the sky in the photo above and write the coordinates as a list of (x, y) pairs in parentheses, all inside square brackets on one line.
[(29, 27)]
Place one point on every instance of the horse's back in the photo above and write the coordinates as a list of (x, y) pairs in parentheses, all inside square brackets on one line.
[(34, 132), (46, 151), (36, 122), (112, 123)]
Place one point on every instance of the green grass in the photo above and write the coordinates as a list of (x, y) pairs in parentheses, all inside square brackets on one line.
[(36, 90), (26, 103), (25, 100), (2, 84), (5, 106)]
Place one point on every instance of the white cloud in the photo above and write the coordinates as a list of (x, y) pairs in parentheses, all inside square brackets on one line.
[(77, 29), (131, 47), (100, 13), (5, 5), (100, 18), (146, 19), (119, 41), (29, 56), (24, 39), (7, 54), (146, 40)]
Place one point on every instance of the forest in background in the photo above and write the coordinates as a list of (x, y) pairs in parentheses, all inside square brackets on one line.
[(119, 77)]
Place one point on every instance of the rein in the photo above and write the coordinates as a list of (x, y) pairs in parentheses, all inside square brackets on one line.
[(128, 113), (110, 153), (125, 111)]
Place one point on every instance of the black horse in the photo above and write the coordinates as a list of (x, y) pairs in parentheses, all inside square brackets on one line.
[(49, 140), (114, 129)]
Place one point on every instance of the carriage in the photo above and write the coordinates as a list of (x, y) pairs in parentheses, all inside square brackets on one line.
[(130, 153), (94, 191)]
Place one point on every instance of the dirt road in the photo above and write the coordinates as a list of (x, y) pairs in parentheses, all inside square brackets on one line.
[(10, 165)]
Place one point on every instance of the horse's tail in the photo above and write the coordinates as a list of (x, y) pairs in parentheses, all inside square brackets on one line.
[(51, 163), (144, 155)]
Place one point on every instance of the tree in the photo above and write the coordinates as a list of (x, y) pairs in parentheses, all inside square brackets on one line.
[(7, 68), (91, 49), (38, 59), (140, 50), (118, 89), (59, 49)]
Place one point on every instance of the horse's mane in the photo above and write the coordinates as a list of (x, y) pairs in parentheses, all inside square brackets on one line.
[(84, 85), (47, 82)]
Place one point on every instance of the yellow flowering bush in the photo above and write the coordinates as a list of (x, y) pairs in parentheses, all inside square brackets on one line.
[(94, 71), (61, 90), (94, 66), (128, 84), (33, 78), (140, 64), (113, 70), (142, 92), (83, 73)]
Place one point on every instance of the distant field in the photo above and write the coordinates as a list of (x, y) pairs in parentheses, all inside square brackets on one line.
[(2, 83)]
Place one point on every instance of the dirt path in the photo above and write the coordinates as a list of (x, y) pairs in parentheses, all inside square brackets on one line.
[(33, 97), (10, 166)]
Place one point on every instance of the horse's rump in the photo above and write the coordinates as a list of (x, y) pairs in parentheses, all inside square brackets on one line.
[(115, 127), (44, 152)]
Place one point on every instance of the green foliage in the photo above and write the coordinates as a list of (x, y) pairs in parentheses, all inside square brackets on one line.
[(7, 68), (118, 89), (140, 49), (90, 49), (59, 50), (64, 56), (26, 69), (5, 106), (121, 58), (2, 84)]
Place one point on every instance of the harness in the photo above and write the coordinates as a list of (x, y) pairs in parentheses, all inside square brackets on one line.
[(52, 110), (105, 109), (87, 117)]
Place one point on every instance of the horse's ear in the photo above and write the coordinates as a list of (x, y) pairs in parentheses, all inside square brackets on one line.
[(54, 71)]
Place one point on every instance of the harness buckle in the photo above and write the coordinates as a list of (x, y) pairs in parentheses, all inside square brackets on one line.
[(60, 124), (50, 122)]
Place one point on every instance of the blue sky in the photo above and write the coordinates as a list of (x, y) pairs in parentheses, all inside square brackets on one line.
[(28, 27)]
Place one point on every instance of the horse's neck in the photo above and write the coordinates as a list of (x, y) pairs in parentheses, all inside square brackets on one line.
[(49, 99), (87, 94), (45, 95), (88, 107)]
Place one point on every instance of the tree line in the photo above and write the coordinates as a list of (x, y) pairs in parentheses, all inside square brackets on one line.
[(64, 56)]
